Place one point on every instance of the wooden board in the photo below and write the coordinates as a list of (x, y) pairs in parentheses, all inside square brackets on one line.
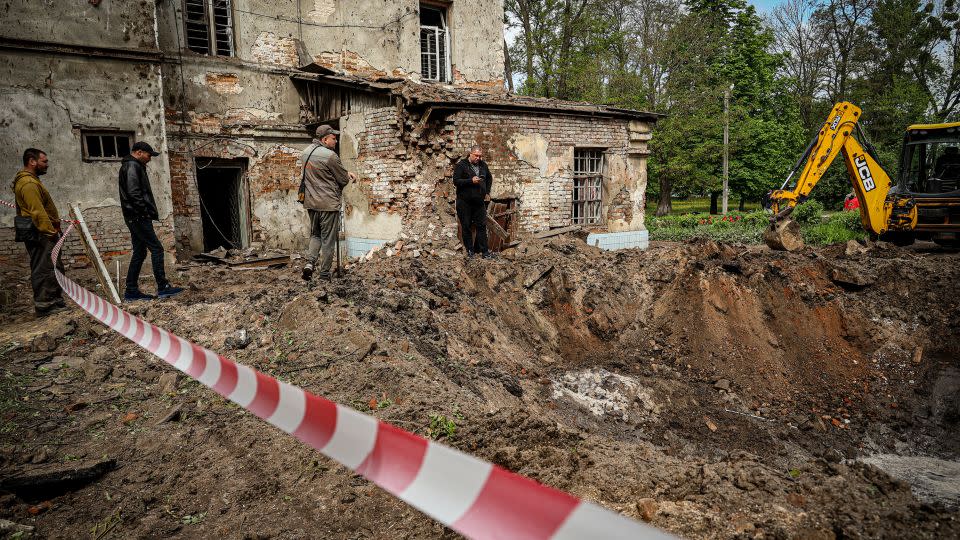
[(91, 248)]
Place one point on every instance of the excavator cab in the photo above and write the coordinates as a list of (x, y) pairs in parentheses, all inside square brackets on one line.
[(930, 176), (923, 202)]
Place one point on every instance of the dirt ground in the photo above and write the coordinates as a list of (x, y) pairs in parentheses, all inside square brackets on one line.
[(715, 391)]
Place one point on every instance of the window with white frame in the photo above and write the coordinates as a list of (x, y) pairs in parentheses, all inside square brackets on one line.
[(587, 186), (208, 25), (105, 145), (434, 44)]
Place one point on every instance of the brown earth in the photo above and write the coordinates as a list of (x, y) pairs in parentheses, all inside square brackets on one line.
[(715, 391)]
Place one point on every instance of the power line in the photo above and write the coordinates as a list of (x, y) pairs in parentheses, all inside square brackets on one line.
[(300, 21)]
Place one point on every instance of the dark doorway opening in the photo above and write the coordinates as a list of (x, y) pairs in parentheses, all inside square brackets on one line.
[(221, 184)]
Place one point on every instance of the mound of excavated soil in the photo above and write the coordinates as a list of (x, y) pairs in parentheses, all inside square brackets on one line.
[(715, 391)]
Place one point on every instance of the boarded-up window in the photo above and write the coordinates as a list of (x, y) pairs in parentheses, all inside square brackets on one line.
[(587, 186), (209, 26), (105, 145), (434, 44)]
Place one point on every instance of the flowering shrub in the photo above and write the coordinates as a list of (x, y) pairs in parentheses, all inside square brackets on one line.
[(748, 227)]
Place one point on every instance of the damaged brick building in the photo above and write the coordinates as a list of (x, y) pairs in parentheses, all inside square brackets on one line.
[(230, 89)]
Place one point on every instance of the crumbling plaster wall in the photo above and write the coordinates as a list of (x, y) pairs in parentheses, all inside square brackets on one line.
[(406, 165), (221, 97), (531, 158), (367, 38), (387, 40), (271, 178), (47, 101), (112, 23)]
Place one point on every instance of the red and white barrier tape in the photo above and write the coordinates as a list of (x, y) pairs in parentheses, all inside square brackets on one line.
[(469, 495), (11, 205)]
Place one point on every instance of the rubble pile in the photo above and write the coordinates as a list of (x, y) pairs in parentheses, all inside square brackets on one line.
[(715, 391)]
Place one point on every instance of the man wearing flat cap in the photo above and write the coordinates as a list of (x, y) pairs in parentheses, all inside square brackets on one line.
[(323, 181), (139, 211)]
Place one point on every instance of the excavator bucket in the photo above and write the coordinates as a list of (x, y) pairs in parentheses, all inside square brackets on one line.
[(783, 235)]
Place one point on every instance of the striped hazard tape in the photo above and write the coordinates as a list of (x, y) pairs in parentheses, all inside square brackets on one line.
[(472, 496), (11, 205)]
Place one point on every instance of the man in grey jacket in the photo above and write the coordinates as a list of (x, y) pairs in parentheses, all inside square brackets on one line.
[(323, 181)]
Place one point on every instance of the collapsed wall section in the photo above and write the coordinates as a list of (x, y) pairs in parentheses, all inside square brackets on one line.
[(405, 160)]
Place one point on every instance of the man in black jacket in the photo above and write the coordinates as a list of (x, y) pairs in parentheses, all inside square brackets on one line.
[(473, 180), (139, 211)]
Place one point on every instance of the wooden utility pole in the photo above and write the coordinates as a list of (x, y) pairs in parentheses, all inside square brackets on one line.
[(726, 148), (94, 256)]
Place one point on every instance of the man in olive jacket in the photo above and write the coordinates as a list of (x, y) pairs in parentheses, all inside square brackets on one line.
[(34, 201), (323, 181), (473, 180), (139, 211)]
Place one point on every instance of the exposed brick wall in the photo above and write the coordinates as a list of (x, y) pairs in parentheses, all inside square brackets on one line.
[(544, 201), (270, 48), (407, 166), (272, 174), (109, 233)]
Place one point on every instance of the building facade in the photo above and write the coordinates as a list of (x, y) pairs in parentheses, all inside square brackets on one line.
[(230, 90)]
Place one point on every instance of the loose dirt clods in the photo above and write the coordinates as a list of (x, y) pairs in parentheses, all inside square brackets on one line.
[(715, 391)]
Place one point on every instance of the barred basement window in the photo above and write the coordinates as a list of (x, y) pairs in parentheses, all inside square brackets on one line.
[(209, 26), (587, 186), (434, 44), (106, 145)]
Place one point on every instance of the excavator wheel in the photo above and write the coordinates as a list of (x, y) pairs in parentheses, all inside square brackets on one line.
[(899, 238)]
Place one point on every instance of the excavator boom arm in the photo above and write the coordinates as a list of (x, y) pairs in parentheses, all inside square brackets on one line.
[(871, 184)]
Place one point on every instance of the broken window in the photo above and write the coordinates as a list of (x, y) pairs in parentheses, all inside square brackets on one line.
[(434, 44), (587, 186), (105, 145), (209, 26), (324, 103)]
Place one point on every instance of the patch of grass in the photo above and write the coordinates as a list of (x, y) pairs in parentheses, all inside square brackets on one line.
[(747, 228), (193, 519), (838, 228), (441, 426), (699, 204), (735, 227)]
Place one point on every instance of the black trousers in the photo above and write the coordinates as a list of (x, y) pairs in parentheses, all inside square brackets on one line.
[(143, 237), (473, 213), (46, 290)]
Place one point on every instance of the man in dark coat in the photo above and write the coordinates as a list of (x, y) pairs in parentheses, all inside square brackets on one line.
[(473, 180), (139, 212)]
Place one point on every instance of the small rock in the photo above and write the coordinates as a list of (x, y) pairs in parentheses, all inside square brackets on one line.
[(129, 417), (647, 508), (39, 508), (853, 248), (98, 365), (7, 526), (40, 456), (240, 341), (796, 499), (168, 382), (722, 384), (75, 406), (172, 416)]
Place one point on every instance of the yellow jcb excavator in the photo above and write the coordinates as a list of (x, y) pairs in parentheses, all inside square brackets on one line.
[(924, 203)]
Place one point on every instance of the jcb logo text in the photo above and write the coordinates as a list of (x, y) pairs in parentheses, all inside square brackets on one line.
[(864, 171)]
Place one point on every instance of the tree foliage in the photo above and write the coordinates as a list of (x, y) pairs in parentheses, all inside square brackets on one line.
[(899, 60)]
